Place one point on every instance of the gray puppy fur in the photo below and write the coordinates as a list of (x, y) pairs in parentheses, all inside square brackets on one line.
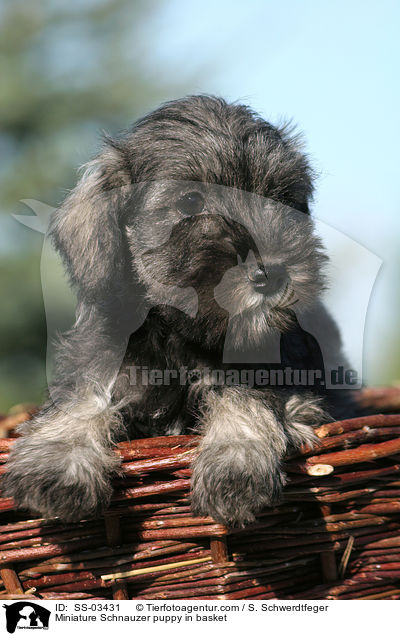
[(145, 232)]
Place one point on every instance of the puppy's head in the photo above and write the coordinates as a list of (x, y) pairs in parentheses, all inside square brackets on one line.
[(199, 195)]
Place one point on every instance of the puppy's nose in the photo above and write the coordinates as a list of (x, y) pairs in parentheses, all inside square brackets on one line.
[(269, 280)]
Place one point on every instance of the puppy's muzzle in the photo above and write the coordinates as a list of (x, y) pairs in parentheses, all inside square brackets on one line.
[(268, 280)]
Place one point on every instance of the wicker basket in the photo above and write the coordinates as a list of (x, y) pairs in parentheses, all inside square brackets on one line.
[(335, 534)]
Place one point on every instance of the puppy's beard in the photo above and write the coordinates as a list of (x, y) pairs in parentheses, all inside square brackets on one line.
[(250, 329), (255, 317), (252, 315)]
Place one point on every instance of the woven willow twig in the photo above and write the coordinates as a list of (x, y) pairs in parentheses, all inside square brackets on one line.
[(341, 505)]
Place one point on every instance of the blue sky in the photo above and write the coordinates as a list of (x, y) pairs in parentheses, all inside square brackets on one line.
[(331, 67)]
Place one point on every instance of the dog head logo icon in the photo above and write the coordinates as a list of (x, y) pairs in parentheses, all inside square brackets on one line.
[(26, 615)]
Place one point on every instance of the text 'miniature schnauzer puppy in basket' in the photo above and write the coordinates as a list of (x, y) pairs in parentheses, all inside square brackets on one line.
[(190, 245)]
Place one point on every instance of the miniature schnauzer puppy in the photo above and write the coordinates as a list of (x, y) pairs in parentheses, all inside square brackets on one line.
[(190, 245)]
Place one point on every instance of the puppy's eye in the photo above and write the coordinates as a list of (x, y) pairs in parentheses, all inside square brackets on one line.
[(190, 203)]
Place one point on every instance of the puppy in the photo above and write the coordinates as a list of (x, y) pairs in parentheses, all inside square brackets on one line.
[(190, 245)]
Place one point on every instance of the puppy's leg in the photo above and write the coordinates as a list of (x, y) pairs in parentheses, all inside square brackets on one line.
[(62, 464), (245, 437)]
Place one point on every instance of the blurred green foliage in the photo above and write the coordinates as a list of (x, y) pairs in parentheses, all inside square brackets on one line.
[(68, 70)]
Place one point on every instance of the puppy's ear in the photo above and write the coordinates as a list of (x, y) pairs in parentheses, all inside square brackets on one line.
[(86, 230)]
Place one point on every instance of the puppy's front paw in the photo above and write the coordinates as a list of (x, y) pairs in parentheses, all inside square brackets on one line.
[(55, 479), (232, 482), (301, 413)]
